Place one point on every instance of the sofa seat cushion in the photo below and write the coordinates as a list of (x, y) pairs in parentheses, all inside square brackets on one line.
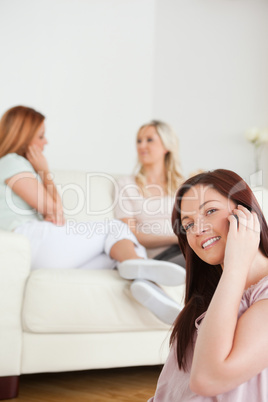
[(85, 301)]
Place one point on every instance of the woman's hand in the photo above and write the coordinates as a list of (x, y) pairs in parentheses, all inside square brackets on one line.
[(37, 159), (243, 238), (150, 240), (56, 218)]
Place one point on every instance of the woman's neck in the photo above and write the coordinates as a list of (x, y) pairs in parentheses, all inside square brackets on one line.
[(155, 174), (258, 270)]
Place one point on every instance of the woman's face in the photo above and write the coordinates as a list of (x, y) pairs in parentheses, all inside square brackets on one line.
[(204, 213), (39, 138), (149, 146)]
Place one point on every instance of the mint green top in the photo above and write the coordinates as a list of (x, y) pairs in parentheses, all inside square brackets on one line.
[(13, 210)]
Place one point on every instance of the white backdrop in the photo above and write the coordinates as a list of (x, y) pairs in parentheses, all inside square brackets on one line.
[(211, 79), (87, 65), (98, 69)]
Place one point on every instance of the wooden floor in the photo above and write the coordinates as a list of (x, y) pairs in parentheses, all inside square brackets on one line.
[(132, 384)]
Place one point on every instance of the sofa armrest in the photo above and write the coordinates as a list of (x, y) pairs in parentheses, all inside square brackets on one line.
[(15, 260)]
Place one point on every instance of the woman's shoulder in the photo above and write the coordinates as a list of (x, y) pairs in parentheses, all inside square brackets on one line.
[(13, 163), (258, 291), (13, 158), (125, 180)]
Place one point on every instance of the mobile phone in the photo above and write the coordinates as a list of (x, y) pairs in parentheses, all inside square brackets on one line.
[(236, 217)]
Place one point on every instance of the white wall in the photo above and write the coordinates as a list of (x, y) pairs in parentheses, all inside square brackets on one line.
[(98, 69), (87, 65), (211, 78)]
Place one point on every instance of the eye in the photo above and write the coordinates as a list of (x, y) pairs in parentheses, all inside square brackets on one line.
[(149, 139), (188, 226), (211, 211), (138, 141)]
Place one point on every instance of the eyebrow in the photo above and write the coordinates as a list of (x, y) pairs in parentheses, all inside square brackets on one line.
[(200, 206)]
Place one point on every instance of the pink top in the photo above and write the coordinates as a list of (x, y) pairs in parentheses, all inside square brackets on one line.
[(173, 384), (152, 214)]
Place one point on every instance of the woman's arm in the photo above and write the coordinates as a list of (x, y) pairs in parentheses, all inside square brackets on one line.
[(229, 352), (248, 355), (37, 159), (149, 240), (26, 186), (130, 200)]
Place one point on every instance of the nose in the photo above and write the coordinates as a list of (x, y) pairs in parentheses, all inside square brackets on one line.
[(141, 144), (200, 227)]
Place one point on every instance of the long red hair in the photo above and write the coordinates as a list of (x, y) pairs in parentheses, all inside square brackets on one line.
[(18, 126), (202, 278)]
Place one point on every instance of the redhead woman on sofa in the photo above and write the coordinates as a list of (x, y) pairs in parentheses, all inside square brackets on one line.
[(30, 205), (219, 342)]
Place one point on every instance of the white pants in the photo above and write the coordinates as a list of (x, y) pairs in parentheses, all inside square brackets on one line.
[(82, 245)]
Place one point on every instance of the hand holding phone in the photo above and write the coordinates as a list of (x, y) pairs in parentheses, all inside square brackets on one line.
[(243, 237)]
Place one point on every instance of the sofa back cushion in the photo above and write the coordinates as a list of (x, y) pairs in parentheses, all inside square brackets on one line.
[(92, 195), (86, 196)]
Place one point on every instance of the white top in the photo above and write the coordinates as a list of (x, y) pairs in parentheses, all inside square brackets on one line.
[(152, 214), (13, 210)]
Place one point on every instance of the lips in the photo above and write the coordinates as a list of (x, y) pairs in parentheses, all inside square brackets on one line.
[(210, 241)]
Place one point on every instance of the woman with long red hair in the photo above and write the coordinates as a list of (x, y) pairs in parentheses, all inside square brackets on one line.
[(219, 343), (31, 205)]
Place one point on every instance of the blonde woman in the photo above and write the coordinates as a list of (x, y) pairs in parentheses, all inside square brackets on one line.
[(36, 212), (145, 200)]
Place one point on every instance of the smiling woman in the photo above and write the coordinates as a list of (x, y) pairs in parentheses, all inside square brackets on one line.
[(219, 346), (206, 224)]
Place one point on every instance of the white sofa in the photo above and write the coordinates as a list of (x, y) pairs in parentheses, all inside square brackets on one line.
[(63, 320)]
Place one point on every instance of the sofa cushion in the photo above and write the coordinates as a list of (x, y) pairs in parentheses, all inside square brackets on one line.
[(86, 196), (78, 301)]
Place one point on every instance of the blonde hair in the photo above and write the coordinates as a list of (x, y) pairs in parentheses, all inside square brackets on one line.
[(173, 171), (18, 126)]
